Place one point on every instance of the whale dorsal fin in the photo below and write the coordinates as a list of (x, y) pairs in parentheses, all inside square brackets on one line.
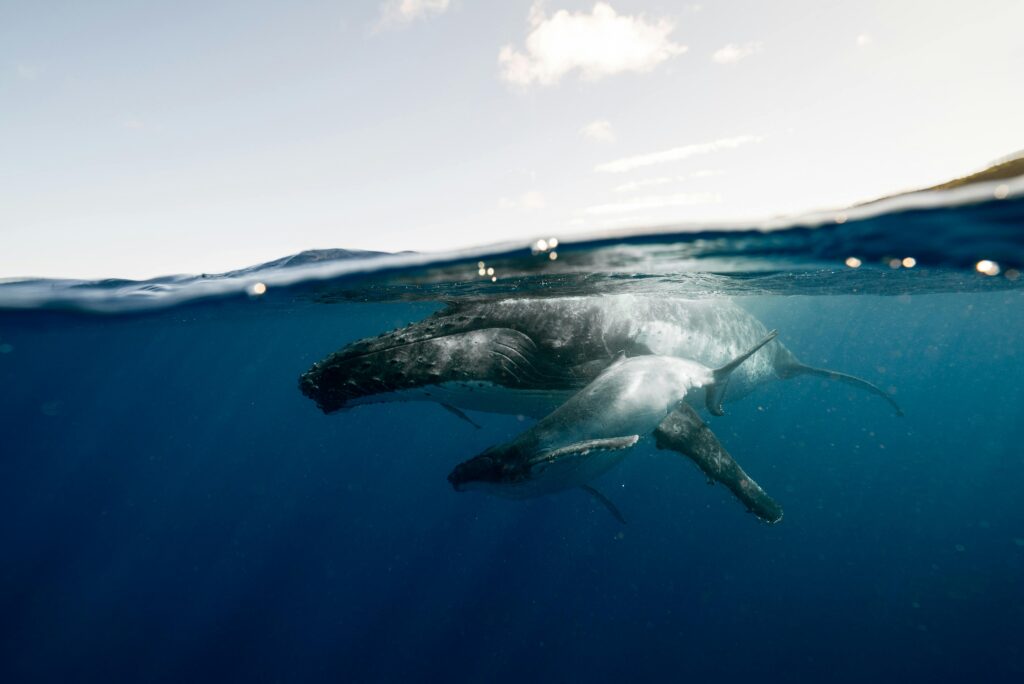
[(612, 508), (716, 390)]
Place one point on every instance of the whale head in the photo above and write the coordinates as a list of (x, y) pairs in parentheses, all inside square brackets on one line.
[(521, 470), (388, 368), (496, 468)]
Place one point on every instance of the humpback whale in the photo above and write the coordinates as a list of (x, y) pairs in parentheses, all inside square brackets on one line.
[(592, 432), (527, 356)]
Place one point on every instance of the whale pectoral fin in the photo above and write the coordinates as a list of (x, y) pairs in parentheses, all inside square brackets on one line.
[(587, 446), (683, 431), (715, 392), (612, 508), (459, 414)]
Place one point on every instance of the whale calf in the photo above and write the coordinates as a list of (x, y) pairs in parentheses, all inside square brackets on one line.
[(527, 356), (591, 433)]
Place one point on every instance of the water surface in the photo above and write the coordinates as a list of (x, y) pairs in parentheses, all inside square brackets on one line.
[(174, 509)]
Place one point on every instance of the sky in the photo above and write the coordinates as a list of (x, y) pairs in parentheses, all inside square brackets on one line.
[(146, 138)]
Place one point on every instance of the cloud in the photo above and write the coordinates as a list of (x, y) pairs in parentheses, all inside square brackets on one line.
[(666, 180), (528, 201), (401, 12), (732, 53), (674, 154), (602, 43), (863, 40), (681, 199), (600, 131)]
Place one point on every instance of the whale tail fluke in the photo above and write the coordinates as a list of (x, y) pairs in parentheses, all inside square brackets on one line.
[(795, 368), (715, 392)]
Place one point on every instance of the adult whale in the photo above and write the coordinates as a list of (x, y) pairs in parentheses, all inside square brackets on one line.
[(527, 356), (592, 432)]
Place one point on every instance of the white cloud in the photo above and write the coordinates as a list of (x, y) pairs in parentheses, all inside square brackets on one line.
[(674, 154), (732, 53), (528, 201), (681, 199), (863, 40), (399, 12), (666, 180), (602, 43), (600, 130)]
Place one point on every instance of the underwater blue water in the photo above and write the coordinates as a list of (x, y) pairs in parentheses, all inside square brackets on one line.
[(174, 509)]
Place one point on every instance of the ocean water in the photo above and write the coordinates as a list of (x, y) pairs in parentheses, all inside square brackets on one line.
[(174, 509)]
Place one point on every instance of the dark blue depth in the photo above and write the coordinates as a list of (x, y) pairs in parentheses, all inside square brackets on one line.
[(173, 509)]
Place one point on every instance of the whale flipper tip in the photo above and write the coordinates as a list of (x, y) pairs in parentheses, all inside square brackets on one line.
[(794, 368), (612, 508), (460, 415), (684, 432)]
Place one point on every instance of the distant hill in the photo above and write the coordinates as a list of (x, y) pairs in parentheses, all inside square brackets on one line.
[(310, 256), (1011, 166), (1000, 171)]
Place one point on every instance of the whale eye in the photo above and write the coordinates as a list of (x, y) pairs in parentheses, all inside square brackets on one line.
[(537, 469)]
